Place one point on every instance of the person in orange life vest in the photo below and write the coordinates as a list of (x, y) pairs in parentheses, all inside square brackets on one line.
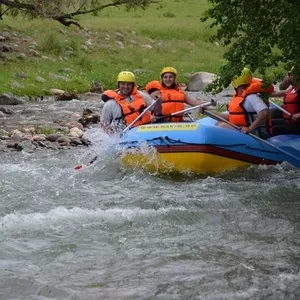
[(123, 105), (172, 95), (246, 108)]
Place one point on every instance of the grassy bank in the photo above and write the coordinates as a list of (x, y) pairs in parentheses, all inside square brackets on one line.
[(170, 33)]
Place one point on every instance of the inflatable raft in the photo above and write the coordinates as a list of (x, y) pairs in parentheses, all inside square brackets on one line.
[(200, 147)]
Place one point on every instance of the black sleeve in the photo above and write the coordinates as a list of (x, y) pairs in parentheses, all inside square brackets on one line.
[(152, 90), (105, 98)]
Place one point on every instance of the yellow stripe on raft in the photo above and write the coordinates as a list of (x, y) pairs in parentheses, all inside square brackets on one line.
[(182, 162)]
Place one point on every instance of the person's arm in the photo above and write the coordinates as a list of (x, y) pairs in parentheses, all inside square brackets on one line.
[(261, 117), (149, 100), (155, 94), (111, 116), (253, 103), (280, 93), (192, 102), (296, 117)]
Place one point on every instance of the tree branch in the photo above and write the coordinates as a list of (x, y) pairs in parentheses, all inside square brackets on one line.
[(67, 19), (64, 20), (17, 4)]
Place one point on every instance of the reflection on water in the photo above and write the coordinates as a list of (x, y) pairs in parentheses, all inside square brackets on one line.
[(104, 232)]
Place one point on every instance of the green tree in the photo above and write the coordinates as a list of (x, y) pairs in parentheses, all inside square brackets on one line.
[(260, 34), (64, 11)]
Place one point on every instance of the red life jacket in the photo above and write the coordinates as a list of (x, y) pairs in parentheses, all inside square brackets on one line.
[(237, 113), (173, 99), (291, 104), (130, 111)]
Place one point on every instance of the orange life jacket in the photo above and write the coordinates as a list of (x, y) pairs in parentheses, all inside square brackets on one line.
[(130, 111), (173, 99), (256, 85), (237, 113), (291, 103)]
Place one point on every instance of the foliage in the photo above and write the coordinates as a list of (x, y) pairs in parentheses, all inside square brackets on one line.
[(65, 11), (48, 130), (262, 34)]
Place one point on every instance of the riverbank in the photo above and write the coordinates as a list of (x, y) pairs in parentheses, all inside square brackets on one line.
[(51, 123), (46, 122)]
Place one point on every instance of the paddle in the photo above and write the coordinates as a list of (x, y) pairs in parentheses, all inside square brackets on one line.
[(211, 103), (281, 108), (138, 117), (294, 159), (78, 167)]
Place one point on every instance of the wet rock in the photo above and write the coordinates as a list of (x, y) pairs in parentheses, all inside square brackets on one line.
[(14, 145), (76, 132), (8, 99), (27, 146), (73, 124), (6, 110), (88, 117), (3, 133), (39, 137), (31, 110), (63, 141), (17, 135), (53, 137), (48, 145), (66, 96), (75, 141), (85, 141)]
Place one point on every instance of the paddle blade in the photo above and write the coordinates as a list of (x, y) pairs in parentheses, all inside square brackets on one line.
[(78, 167)]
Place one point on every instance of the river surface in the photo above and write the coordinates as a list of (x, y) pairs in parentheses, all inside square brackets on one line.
[(104, 232)]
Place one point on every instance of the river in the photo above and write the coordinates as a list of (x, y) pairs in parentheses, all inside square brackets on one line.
[(104, 232)]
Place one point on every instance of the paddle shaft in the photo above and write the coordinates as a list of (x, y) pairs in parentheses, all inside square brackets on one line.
[(212, 102), (139, 116), (281, 108), (219, 118)]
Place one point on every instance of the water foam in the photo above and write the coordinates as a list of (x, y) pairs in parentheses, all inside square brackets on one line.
[(61, 215)]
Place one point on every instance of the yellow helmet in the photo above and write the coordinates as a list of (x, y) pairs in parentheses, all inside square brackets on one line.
[(126, 76), (244, 78), (168, 70)]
